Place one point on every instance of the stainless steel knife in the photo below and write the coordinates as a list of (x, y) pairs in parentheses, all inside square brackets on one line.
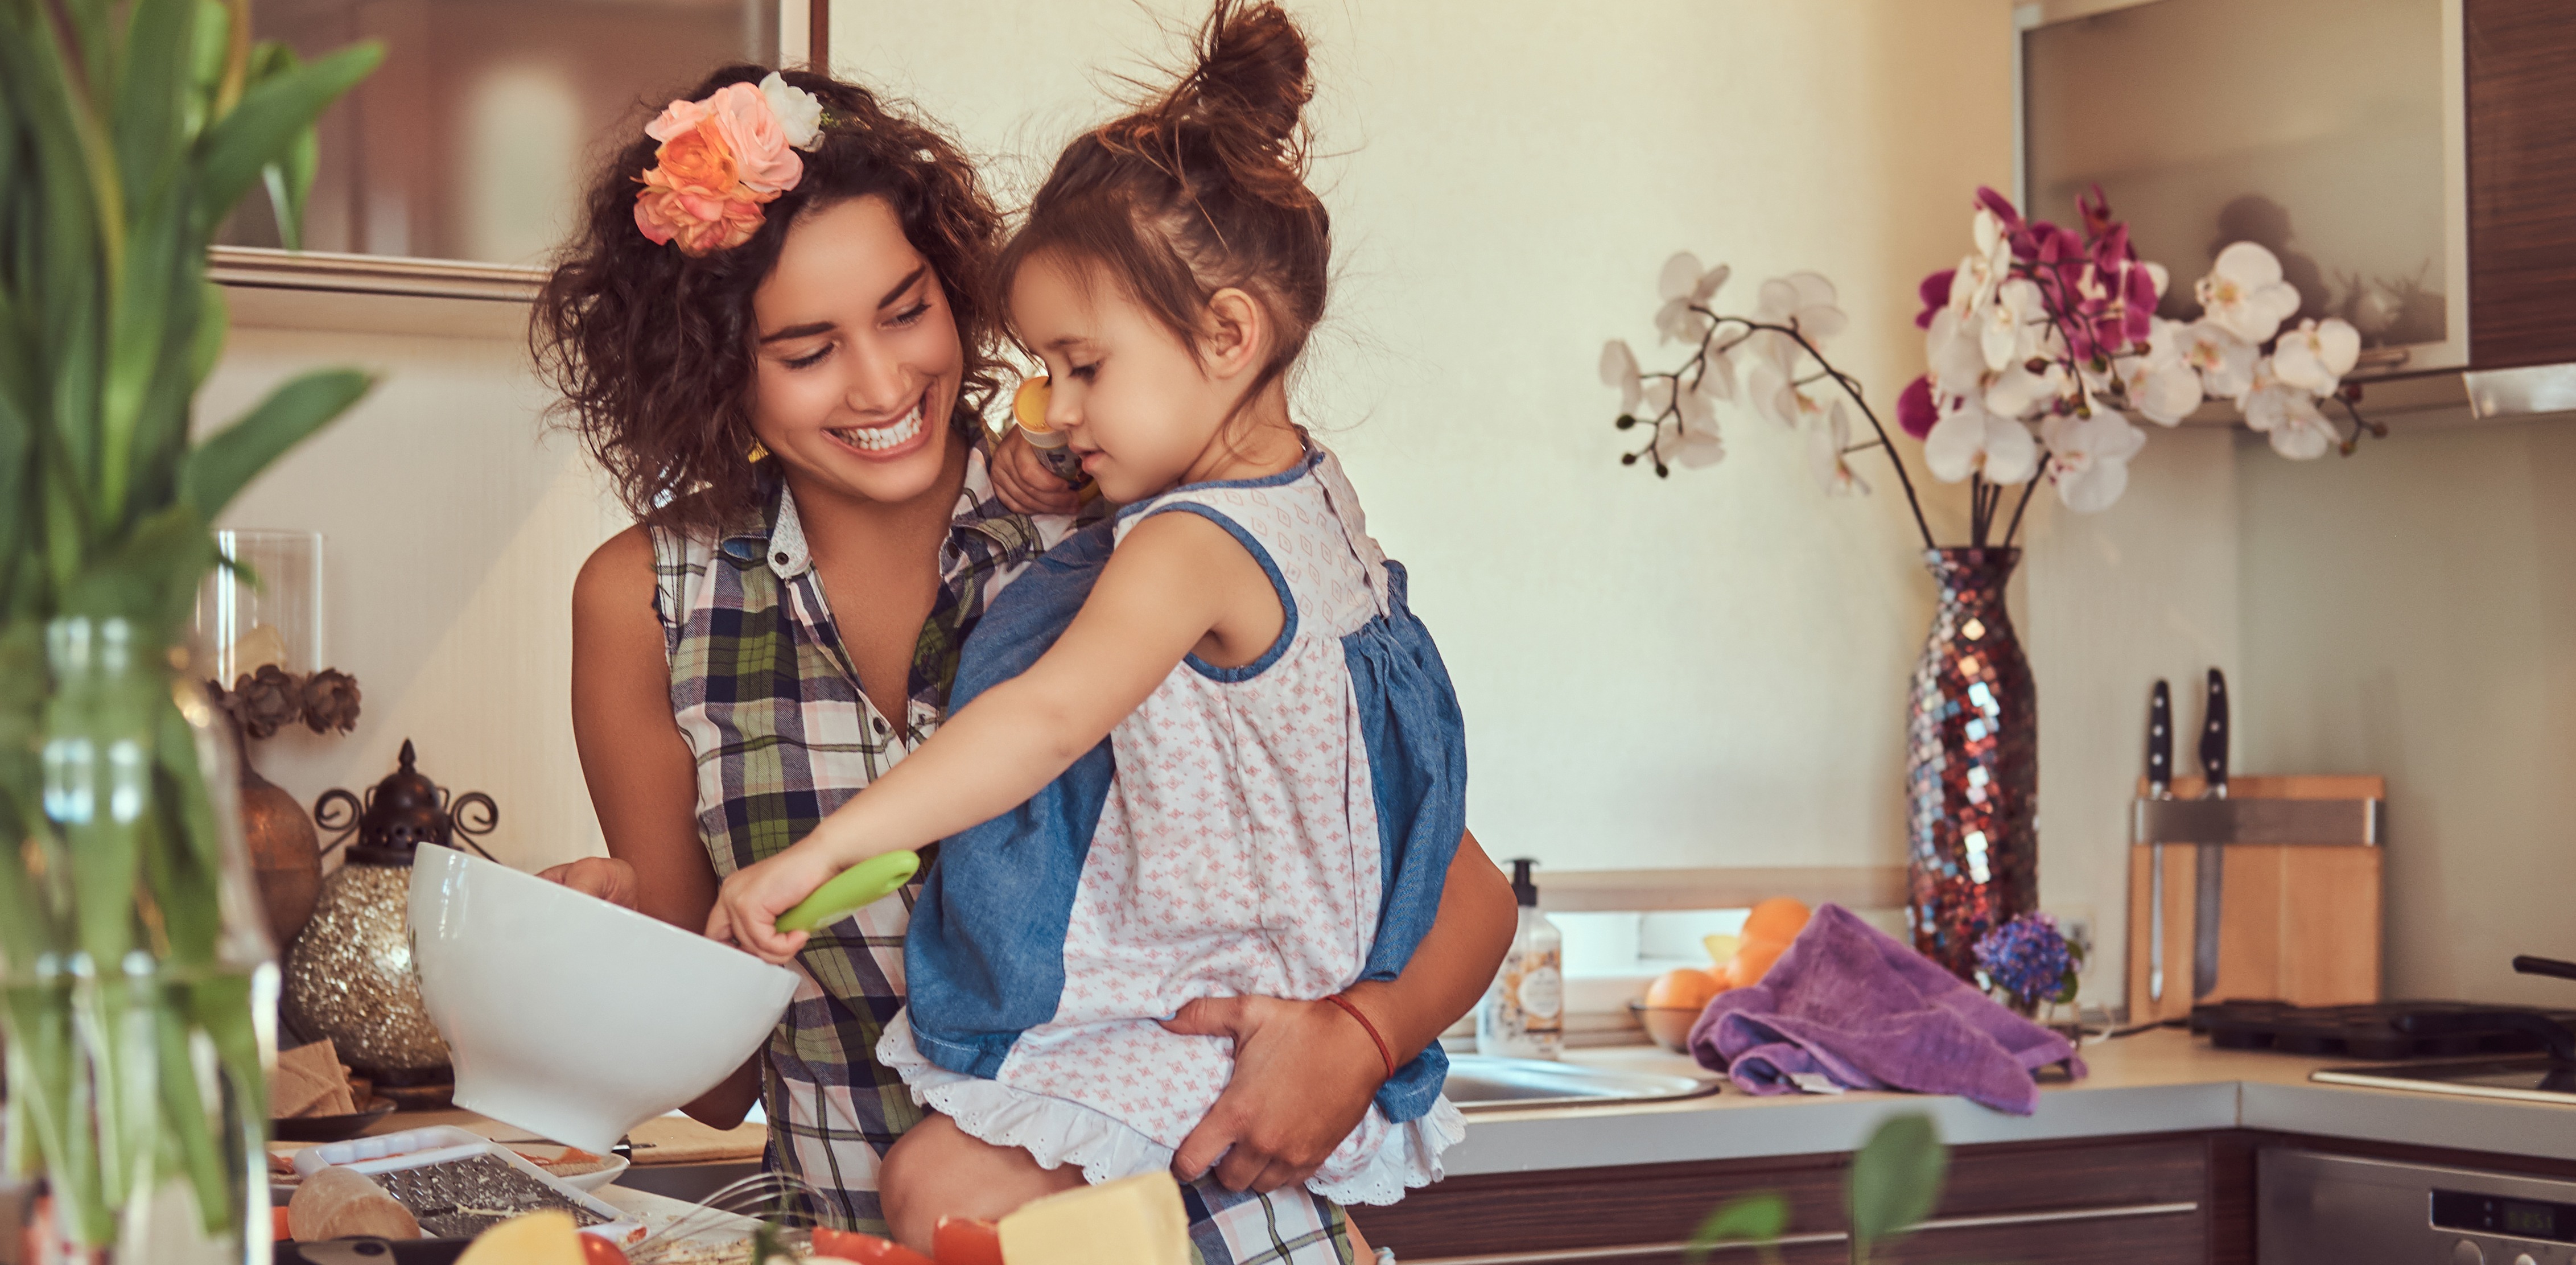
[(2209, 875), (2159, 786)]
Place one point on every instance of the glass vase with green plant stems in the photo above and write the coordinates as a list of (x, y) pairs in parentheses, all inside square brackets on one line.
[(129, 129)]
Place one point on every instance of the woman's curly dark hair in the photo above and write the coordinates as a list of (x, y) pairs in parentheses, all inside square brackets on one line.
[(652, 348)]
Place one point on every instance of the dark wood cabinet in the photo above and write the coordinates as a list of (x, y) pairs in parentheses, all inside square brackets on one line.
[(2522, 181), (2135, 1201)]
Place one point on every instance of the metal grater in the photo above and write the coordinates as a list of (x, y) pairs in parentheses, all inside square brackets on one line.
[(458, 1199)]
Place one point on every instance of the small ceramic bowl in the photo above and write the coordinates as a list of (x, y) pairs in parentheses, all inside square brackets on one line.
[(570, 1017), (1669, 1025)]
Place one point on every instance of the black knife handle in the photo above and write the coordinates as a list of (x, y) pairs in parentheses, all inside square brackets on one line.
[(2213, 735), (2160, 742), (2529, 965)]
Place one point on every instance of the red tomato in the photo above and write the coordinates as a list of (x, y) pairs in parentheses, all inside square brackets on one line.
[(963, 1242), (598, 1251), (866, 1249)]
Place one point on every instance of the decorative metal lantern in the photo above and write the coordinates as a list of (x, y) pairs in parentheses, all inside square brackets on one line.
[(349, 976)]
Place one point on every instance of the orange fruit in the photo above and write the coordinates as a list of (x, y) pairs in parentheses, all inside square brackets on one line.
[(1778, 920), (1682, 988), (1753, 961)]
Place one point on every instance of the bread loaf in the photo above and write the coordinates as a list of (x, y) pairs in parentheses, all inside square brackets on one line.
[(337, 1203)]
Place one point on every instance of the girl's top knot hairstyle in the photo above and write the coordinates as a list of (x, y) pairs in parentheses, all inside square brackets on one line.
[(652, 347), (1201, 189)]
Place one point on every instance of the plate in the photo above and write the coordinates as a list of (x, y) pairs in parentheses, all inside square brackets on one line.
[(331, 1128)]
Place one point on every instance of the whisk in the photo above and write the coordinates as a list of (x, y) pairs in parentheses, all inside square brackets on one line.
[(789, 1204)]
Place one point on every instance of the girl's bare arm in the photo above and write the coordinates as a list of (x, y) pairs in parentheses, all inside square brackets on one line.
[(1175, 580)]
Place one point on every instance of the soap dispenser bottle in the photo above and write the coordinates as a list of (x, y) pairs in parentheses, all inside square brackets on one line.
[(1523, 1015)]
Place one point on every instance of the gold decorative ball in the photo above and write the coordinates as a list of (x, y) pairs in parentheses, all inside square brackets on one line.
[(350, 977)]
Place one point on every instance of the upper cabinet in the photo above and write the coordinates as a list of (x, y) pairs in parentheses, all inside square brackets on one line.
[(2521, 57), (2411, 162)]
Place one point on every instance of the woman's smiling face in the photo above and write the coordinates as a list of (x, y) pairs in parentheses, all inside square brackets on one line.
[(858, 359)]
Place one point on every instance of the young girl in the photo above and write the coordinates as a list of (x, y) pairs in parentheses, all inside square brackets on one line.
[(1282, 784)]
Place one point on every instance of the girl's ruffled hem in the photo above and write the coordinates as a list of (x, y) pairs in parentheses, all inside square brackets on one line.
[(1059, 1131)]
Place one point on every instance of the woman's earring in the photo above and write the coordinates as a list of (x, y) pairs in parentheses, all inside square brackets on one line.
[(759, 453)]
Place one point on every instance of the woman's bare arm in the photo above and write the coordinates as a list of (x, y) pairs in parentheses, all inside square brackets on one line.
[(643, 782)]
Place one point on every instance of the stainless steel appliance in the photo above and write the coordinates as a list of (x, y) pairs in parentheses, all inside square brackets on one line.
[(2319, 1209)]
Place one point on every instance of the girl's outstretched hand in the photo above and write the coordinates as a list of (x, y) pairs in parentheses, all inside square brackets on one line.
[(1024, 482), (749, 903), (1304, 1074)]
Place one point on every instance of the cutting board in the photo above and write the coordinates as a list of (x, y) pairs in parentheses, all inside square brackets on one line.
[(2298, 922)]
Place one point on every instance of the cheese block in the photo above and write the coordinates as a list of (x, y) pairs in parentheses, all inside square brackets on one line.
[(1133, 1221), (538, 1238)]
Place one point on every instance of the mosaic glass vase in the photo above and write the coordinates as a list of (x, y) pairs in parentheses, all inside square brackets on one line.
[(1972, 765)]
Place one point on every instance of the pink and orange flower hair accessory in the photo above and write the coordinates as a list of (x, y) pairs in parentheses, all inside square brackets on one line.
[(722, 159)]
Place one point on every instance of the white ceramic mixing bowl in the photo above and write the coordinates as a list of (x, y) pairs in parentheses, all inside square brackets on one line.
[(570, 1017)]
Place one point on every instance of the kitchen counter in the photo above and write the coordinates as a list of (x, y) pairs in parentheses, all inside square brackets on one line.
[(2155, 1082)]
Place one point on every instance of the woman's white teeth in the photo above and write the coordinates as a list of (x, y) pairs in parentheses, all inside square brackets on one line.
[(880, 438)]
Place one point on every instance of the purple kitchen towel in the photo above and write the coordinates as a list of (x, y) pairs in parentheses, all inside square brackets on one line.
[(1850, 1002)]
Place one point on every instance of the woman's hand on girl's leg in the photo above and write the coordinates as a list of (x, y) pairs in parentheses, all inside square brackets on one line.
[(939, 1170), (1304, 1074)]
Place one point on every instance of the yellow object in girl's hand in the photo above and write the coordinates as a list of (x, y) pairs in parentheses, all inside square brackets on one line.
[(852, 890), (1029, 404)]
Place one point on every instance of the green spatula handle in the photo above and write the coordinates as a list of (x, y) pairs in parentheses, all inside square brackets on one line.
[(852, 890)]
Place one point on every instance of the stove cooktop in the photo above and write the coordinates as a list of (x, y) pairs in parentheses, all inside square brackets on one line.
[(2532, 1078)]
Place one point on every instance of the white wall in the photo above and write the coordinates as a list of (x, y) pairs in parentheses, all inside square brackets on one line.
[(1704, 671), (452, 528), (2411, 612)]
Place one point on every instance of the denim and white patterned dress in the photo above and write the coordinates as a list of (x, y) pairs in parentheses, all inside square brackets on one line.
[(1281, 828), (764, 692)]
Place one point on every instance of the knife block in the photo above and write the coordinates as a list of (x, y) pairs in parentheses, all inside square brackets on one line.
[(2299, 904)]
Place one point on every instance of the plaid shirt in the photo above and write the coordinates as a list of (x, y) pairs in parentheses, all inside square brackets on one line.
[(764, 691)]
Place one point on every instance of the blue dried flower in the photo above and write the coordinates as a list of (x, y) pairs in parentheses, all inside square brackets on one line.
[(2029, 961)]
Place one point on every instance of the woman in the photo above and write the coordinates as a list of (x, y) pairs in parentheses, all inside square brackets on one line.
[(788, 392)]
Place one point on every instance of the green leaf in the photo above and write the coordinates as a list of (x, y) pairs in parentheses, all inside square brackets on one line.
[(152, 92), (264, 128), (1895, 1180), (290, 178), (214, 324), (1758, 1219), (221, 466)]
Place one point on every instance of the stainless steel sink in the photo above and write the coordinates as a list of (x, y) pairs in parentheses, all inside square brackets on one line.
[(1477, 1084)]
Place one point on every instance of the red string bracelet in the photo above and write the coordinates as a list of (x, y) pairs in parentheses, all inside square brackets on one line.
[(1354, 1012)]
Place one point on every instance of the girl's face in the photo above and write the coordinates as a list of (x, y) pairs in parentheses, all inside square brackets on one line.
[(858, 361), (1143, 411)]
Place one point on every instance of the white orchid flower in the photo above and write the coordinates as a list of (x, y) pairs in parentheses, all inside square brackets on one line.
[(1619, 369), (1767, 388), (1978, 275), (1717, 377), (2017, 391), (2315, 356), (1971, 440), (2287, 415), (2088, 457), (1682, 285), (1951, 352), (800, 115), (2161, 384), (2245, 295), (2008, 328), (1828, 440), (1695, 443), (1804, 300), (2224, 362)]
